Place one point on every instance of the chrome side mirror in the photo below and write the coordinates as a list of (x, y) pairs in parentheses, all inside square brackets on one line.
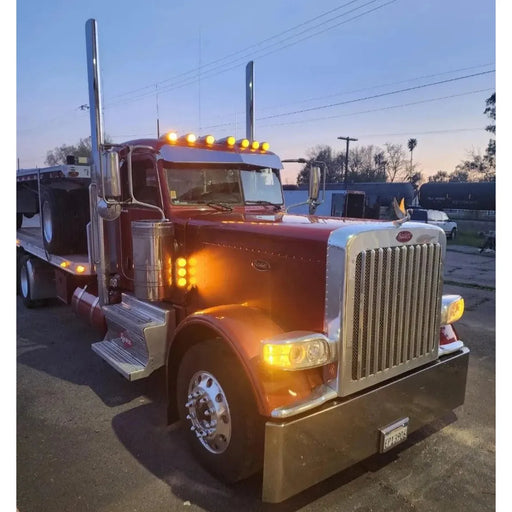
[(111, 176), (315, 178)]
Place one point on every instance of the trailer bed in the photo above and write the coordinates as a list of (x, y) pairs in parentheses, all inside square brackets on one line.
[(31, 240)]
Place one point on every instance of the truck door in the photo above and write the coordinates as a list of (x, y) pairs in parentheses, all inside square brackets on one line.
[(146, 190)]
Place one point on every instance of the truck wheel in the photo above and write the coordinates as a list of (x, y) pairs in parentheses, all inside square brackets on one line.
[(219, 413), (24, 283), (53, 219)]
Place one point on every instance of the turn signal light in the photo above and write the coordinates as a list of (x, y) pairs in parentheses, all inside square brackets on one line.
[(289, 352), (452, 309)]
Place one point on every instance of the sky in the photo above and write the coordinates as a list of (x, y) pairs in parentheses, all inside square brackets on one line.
[(380, 71)]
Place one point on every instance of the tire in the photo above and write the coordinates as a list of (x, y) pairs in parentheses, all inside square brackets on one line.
[(19, 220), (78, 217), (55, 219), (218, 411), (24, 283), (453, 234)]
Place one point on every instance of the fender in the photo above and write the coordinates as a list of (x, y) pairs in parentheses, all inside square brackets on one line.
[(242, 328)]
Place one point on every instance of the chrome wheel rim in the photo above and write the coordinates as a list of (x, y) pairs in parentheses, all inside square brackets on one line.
[(208, 412)]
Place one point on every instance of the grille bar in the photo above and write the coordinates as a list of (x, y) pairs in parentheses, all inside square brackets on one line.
[(396, 310)]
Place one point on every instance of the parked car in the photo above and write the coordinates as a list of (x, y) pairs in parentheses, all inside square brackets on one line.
[(438, 218)]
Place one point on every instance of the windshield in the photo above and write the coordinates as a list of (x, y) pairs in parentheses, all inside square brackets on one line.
[(203, 185)]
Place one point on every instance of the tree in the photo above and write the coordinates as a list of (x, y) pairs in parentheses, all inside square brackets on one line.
[(83, 148), (411, 144), (439, 176), (478, 167), (396, 162), (333, 161), (366, 163)]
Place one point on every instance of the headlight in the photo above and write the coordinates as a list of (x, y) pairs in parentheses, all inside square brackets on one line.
[(452, 309), (298, 350)]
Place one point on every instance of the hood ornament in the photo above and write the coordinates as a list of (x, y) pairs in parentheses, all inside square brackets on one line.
[(401, 213)]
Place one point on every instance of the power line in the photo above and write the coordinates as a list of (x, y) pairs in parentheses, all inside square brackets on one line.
[(222, 69), (380, 109), (381, 95), (238, 52)]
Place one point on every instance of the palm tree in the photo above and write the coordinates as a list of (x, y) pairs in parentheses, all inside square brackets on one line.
[(411, 144)]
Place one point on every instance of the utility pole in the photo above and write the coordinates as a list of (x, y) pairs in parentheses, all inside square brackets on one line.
[(348, 139)]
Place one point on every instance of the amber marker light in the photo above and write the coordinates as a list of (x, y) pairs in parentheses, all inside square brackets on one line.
[(209, 139), (190, 138), (244, 143), (255, 144), (65, 264), (172, 137), (265, 146), (80, 269)]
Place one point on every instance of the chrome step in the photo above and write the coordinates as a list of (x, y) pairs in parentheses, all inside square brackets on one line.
[(136, 339), (117, 356)]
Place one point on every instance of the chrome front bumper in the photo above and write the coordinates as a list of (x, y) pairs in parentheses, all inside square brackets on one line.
[(306, 450)]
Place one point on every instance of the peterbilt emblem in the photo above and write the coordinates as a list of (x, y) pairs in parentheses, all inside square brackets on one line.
[(404, 236), (261, 265)]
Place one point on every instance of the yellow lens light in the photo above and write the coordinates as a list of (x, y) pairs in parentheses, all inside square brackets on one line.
[(80, 269), (192, 262), (306, 352), (255, 144), (244, 143), (172, 136), (230, 141), (265, 146), (190, 138), (182, 272), (181, 262), (452, 309), (209, 139), (65, 264), (277, 355), (192, 281), (182, 282)]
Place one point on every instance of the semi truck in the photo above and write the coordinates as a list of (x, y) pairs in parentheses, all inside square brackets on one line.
[(293, 345)]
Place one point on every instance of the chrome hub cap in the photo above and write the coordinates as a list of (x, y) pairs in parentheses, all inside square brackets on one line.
[(208, 412)]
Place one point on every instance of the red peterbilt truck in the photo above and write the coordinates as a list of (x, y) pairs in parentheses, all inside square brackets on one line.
[(296, 344)]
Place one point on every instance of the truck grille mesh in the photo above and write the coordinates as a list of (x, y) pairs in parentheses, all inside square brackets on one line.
[(396, 308)]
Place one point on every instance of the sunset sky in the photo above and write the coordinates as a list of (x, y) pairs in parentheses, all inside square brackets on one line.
[(376, 70)]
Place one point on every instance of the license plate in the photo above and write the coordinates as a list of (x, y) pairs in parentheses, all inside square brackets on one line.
[(393, 434)]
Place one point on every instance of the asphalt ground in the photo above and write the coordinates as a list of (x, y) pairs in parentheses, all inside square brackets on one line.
[(88, 440)]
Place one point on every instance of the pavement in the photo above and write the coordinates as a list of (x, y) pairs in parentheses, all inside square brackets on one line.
[(467, 266)]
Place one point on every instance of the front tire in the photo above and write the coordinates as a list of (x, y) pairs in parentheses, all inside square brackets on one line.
[(218, 410)]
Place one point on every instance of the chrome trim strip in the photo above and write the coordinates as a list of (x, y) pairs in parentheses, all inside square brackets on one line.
[(318, 396)]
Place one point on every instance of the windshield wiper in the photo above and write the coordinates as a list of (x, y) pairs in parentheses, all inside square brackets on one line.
[(265, 203), (220, 206)]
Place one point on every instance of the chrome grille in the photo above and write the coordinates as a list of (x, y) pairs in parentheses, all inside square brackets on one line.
[(394, 323)]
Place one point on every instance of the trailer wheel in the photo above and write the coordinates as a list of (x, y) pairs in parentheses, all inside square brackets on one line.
[(219, 413), (24, 283), (53, 218)]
